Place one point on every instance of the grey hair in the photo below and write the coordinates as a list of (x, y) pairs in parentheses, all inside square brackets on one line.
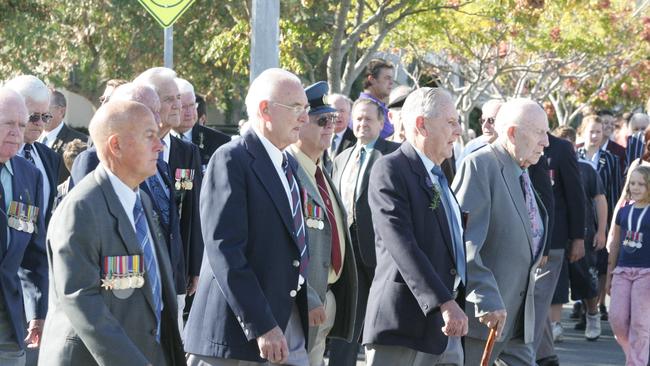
[(155, 76), (423, 102), (133, 92), (640, 117), (332, 97), (515, 112), (184, 86), (30, 88), (264, 87), (492, 103)]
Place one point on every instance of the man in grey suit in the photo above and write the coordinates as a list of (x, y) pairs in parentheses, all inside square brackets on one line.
[(112, 294), (332, 277), (505, 234)]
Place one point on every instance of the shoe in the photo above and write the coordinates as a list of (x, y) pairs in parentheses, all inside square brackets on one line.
[(603, 312), (592, 330), (548, 361), (558, 332), (577, 310), (581, 324)]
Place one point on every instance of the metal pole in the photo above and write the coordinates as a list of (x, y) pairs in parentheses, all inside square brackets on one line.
[(265, 39), (169, 47)]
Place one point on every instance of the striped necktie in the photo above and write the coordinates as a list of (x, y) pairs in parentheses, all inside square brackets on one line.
[(151, 265), (296, 213), (27, 153)]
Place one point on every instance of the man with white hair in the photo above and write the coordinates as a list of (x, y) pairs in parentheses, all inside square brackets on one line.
[(182, 162), (414, 314), (22, 238), (343, 136), (205, 138), (37, 100), (638, 123), (251, 304), (489, 134), (505, 234)]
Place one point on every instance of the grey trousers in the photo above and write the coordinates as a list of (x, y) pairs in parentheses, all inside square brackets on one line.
[(317, 343), (545, 281), (379, 355), (295, 341)]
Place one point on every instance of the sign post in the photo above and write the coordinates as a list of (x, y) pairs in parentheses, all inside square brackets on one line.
[(166, 12)]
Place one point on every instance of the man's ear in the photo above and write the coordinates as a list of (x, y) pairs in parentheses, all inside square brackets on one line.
[(420, 126), (113, 145), (263, 110)]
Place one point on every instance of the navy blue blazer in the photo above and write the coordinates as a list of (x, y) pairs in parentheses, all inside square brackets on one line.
[(208, 141), (251, 264), (87, 161), (23, 269), (185, 155), (415, 262), (53, 165), (569, 220)]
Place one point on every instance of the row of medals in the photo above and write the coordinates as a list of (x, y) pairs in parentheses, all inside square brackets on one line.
[(630, 242), (314, 223), (185, 184), (20, 224), (123, 282)]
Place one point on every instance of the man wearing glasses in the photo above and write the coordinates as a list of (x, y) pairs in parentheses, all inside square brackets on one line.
[(332, 282), (37, 100), (489, 113)]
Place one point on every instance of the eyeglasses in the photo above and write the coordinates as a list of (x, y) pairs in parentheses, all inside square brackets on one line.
[(489, 121), (296, 109), (323, 121), (35, 117)]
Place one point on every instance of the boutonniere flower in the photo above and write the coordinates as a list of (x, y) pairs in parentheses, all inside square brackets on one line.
[(435, 201)]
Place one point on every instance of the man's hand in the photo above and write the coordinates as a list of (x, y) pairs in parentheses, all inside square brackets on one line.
[(273, 346), (495, 319), (577, 250), (34, 333), (317, 316), (192, 285), (600, 240), (455, 319)]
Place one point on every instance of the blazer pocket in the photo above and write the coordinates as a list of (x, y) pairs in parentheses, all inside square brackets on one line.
[(400, 312)]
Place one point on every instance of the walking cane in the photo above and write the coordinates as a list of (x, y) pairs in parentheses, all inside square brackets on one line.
[(489, 345)]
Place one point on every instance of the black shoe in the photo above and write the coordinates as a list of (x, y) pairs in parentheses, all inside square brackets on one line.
[(549, 361), (581, 325), (577, 310), (603, 312)]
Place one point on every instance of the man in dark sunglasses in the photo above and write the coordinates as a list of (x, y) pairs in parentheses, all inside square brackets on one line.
[(489, 113)]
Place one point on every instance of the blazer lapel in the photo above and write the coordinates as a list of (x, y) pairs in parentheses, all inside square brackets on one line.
[(269, 179), (514, 188), (363, 185), (338, 177), (418, 169)]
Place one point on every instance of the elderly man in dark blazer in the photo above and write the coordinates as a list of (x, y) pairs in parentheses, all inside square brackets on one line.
[(112, 293), (23, 260), (332, 282), (351, 176), (505, 235), (413, 317), (251, 303)]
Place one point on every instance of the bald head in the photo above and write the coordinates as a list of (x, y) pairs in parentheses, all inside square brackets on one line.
[(140, 93), (115, 118), (13, 119), (518, 112), (267, 86), (522, 126)]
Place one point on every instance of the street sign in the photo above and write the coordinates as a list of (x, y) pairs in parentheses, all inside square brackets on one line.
[(166, 12)]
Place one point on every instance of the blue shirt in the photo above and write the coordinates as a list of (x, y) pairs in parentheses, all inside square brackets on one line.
[(631, 256)]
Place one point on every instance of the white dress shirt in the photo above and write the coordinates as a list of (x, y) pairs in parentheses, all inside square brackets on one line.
[(46, 182)]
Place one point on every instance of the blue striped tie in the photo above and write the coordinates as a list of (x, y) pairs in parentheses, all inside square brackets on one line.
[(151, 266), (296, 212)]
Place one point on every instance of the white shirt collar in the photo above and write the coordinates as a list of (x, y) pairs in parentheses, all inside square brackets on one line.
[(167, 141), (275, 154), (51, 136), (126, 195), (428, 164)]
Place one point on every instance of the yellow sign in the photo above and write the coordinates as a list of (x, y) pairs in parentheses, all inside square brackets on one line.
[(166, 12)]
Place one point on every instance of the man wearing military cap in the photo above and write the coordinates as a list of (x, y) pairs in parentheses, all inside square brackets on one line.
[(332, 277)]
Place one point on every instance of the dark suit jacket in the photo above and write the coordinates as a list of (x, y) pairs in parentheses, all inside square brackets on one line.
[(362, 229), (569, 221), (23, 269), (251, 264), (208, 141), (85, 163), (86, 323), (53, 166), (348, 139), (64, 136), (415, 257), (184, 155)]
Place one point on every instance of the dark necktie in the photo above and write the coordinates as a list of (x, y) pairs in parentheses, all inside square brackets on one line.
[(3, 218), (454, 225), (296, 213), (351, 184), (336, 244), (159, 192), (151, 265), (27, 152)]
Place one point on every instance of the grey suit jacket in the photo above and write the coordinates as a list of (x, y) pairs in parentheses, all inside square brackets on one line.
[(500, 264), (87, 324), (319, 243)]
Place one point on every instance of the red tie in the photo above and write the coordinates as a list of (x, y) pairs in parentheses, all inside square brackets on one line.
[(336, 244)]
